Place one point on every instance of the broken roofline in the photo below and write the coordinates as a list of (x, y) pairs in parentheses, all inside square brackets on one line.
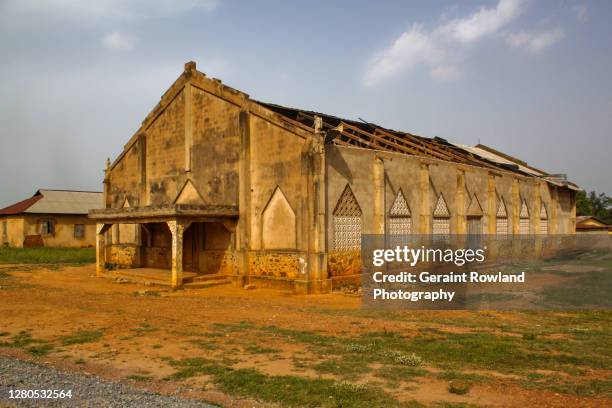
[(339, 131)]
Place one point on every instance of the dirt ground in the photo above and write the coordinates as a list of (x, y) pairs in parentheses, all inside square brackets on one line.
[(134, 333)]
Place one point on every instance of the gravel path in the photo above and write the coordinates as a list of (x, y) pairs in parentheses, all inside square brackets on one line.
[(87, 391)]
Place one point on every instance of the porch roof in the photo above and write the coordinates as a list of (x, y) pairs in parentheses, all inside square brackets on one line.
[(164, 212)]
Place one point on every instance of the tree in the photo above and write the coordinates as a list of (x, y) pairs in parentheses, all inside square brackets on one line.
[(597, 205)]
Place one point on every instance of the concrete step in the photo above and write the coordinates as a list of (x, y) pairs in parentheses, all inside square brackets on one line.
[(204, 278), (206, 284)]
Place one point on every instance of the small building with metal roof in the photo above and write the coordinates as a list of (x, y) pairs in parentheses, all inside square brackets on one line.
[(52, 218)]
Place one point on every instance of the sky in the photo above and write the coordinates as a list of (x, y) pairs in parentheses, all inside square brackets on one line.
[(530, 78)]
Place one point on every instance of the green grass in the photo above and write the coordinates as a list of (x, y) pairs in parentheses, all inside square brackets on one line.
[(81, 337), (289, 391), (563, 385), (44, 255), (459, 387), (24, 340)]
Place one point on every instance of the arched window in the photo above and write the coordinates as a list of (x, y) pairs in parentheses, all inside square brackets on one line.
[(441, 217), (501, 219), (524, 218), (543, 220), (399, 221), (347, 222)]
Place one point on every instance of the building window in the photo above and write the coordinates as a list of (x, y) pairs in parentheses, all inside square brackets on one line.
[(46, 227), (501, 219), (79, 231), (399, 219), (474, 225), (441, 218), (347, 222), (524, 219), (543, 220)]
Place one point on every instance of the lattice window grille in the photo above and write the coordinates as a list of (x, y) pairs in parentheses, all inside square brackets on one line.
[(347, 233), (399, 219), (400, 225), (543, 226), (543, 220), (441, 209), (347, 222), (501, 226), (441, 226)]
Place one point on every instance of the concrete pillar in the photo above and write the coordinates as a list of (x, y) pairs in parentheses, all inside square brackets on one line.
[(535, 216), (177, 228), (243, 228), (378, 176), (461, 220), (425, 215), (101, 247), (491, 203), (516, 207), (553, 227)]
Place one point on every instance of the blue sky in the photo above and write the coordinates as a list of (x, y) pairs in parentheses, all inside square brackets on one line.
[(531, 78)]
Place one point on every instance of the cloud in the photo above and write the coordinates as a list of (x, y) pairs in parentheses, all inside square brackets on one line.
[(535, 42), (582, 12), (437, 49), (118, 41), (484, 21), (86, 11)]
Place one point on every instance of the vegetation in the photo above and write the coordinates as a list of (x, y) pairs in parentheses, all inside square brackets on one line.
[(597, 205), (82, 336), (42, 255)]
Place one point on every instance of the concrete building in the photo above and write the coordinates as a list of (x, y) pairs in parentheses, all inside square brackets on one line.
[(51, 218), (215, 183), (587, 224)]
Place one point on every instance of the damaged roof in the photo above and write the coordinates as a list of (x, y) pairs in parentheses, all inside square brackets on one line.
[(57, 202), (346, 132)]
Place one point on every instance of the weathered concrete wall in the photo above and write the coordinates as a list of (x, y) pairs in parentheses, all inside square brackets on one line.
[(11, 231), (457, 183), (215, 148), (276, 162), (278, 264), (125, 180), (63, 230)]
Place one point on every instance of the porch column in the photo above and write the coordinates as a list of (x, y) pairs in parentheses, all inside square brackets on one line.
[(101, 247), (177, 228)]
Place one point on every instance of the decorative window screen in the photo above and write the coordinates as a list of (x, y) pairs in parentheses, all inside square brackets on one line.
[(524, 219), (543, 220), (347, 222), (441, 218), (474, 225), (399, 219), (501, 221)]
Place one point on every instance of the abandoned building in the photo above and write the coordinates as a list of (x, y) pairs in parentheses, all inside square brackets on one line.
[(51, 218), (216, 185)]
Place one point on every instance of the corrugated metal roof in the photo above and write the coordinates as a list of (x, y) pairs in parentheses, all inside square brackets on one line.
[(485, 154), (21, 206), (58, 202)]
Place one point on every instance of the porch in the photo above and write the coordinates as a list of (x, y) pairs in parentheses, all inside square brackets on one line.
[(169, 245)]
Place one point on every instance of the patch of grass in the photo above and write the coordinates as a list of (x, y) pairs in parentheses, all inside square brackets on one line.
[(591, 288), (256, 349), (399, 373), (573, 386), (347, 368), (40, 350), (81, 337), (458, 375), (24, 340), (289, 391), (80, 361), (459, 387), (43, 255)]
